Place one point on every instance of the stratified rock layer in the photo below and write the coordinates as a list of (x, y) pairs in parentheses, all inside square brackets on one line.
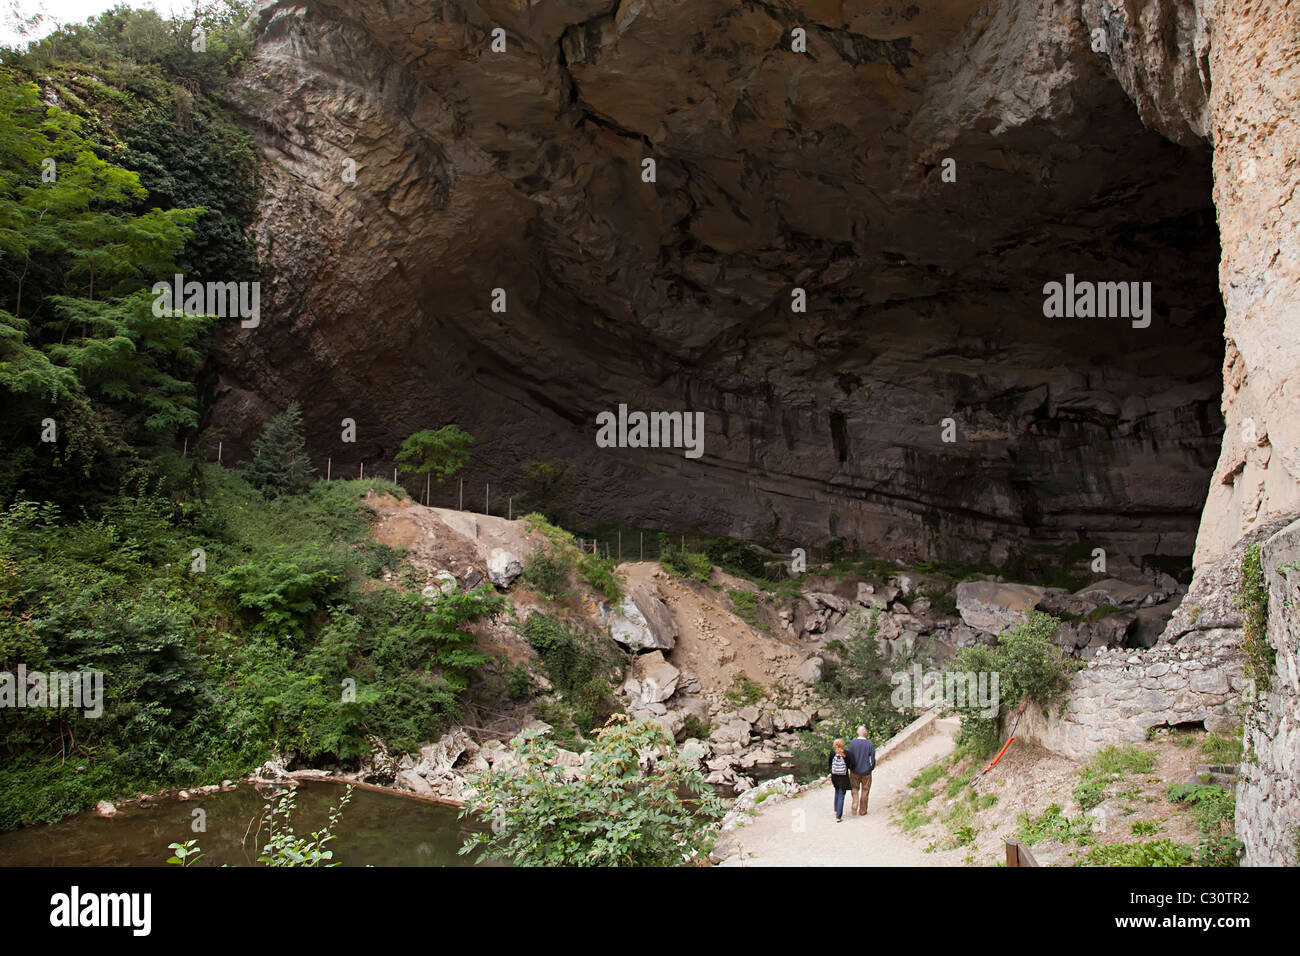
[(775, 170)]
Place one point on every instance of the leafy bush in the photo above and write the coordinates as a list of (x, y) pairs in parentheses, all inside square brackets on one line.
[(547, 574), (744, 691), (684, 564), (1029, 667), (582, 668), (694, 728), (438, 452), (625, 810)]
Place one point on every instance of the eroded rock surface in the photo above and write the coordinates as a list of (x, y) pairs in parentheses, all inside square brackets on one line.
[(822, 170)]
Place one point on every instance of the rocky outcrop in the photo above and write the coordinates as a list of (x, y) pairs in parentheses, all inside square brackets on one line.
[(1229, 72), (412, 171), (1268, 794)]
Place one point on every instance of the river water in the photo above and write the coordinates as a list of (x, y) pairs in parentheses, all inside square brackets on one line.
[(377, 829)]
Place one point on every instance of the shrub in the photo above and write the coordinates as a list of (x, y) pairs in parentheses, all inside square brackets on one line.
[(695, 728), (580, 667), (626, 809), (744, 691), (1029, 667), (438, 452), (1052, 825), (684, 564), (547, 574)]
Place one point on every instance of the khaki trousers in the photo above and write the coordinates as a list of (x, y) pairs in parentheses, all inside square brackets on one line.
[(860, 788)]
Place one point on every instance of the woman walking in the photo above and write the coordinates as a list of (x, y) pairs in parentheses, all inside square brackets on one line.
[(839, 776)]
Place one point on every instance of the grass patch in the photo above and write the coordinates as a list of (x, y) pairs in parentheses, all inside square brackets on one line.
[(744, 691), (1051, 824), (746, 606), (1110, 765)]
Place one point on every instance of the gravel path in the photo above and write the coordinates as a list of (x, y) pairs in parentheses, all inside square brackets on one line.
[(770, 839)]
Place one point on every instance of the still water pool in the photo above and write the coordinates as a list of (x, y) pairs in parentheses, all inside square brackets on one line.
[(377, 829)]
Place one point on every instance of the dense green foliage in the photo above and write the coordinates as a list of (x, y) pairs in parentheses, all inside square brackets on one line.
[(636, 803), (582, 668), (563, 556), (226, 626), (136, 174), (684, 564), (1030, 667)]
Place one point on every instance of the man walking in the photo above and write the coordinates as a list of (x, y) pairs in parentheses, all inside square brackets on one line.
[(862, 754)]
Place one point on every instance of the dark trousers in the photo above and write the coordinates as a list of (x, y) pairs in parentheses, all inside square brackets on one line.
[(860, 787)]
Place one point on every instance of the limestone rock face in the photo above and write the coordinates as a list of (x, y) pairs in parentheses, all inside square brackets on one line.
[(775, 170), (1168, 54)]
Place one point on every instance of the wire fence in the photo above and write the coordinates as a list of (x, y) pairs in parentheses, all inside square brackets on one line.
[(481, 496)]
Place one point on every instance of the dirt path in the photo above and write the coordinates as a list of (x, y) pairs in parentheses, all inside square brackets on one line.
[(770, 838)]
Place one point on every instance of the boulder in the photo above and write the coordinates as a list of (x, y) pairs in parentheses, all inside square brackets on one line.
[(810, 671), (657, 678), (993, 606), (642, 621), (877, 595), (437, 759), (446, 582), (410, 780), (733, 731), (503, 567), (1121, 594), (105, 809), (791, 719), (471, 577)]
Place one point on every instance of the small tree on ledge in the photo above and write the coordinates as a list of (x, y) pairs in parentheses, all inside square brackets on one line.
[(441, 452)]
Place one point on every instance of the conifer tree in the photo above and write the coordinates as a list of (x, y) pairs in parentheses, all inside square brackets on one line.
[(280, 465)]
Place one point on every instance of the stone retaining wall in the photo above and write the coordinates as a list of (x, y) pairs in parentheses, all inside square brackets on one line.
[(1120, 694), (1268, 793)]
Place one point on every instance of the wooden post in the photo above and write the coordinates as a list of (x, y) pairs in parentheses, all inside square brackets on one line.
[(460, 502), (329, 462), (187, 446), (642, 533), (394, 474), (427, 479), (620, 545), (487, 498), (510, 504), (218, 453), (363, 470)]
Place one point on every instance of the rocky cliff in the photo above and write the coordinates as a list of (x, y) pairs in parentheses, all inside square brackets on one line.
[(412, 170)]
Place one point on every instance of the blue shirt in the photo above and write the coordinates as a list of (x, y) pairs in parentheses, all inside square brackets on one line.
[(863, 754)]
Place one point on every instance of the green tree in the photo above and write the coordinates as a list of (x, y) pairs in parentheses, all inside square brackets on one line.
[(441, 452), (637, 803), (280, 465)]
